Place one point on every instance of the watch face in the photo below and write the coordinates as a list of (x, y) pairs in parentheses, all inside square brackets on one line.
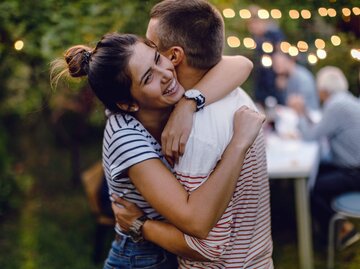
[(192, 93)]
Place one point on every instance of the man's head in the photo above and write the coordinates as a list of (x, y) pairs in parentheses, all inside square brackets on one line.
[(330, 80), (256, 25), (283, 63), (193, 26)]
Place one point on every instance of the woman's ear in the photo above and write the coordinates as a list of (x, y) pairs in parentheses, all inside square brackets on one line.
[(175, 55), (132, 107)]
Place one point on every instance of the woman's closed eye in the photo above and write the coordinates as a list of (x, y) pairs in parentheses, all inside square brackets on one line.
[(148, 77), (150, 74)]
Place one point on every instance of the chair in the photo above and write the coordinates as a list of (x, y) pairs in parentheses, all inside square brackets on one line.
[(346, 206)]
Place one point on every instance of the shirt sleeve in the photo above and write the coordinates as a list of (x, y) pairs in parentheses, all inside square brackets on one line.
[(326, 127), (128, 147), (218, 239)]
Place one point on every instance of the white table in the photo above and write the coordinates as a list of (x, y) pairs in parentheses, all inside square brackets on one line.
[(297, 160)]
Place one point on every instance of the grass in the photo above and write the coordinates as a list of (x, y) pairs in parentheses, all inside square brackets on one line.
[(54, 229)]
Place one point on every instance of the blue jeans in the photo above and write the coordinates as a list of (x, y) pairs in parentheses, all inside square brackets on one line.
[(125, 254)]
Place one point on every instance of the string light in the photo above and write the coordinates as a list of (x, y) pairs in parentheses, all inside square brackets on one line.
[(346, 12), (302, 46), (319, 43), (245, 14), (321, 54), (293, 51), (284, 46), (249, 43), (305, 14), (335, 40), (19, 45), (267, 47), (294, 14), (355, 53), (233, 42), (322, 11), (263, 14), (275, 13), (356, 11), (266, 61), (312, 59), (331, 12), (229, 13)]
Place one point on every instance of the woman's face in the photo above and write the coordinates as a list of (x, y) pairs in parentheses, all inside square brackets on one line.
[(154, 83)]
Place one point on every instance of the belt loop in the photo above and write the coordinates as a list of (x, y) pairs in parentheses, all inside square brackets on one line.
[(123, 242)]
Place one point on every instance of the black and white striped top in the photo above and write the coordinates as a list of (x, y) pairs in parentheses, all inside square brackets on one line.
[(126, 142)]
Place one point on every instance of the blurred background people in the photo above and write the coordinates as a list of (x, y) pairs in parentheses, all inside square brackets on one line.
[(340, 125), (264, 30), (295, 80)]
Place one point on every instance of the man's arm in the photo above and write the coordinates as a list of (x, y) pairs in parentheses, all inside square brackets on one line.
[(219, 81)]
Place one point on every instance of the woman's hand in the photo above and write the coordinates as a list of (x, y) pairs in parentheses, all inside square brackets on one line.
[(247, 124), (125, 212), (177, 130)]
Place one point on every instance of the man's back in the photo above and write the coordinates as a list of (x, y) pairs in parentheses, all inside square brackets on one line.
[(242, 237)]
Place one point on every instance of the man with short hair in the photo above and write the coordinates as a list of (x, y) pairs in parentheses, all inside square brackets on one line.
[(191, 34)]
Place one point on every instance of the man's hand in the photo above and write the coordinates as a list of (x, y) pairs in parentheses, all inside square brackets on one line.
[(125, 212), (177, 130)]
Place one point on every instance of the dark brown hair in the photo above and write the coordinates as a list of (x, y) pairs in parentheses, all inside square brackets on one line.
[(195, 25), (106, 67)]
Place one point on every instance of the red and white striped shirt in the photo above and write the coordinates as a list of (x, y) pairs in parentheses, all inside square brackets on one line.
[(242, 237)]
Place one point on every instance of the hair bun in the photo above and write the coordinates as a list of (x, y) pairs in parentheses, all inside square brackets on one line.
[(78, 60)]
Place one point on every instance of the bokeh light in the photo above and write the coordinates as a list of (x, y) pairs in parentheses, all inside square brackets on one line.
[(302, 46), (19, 45), (263, 14), (267, 47), (275, 13), (305, 14), (294, 14), (321, 54), (249, 43), (319, 43), (233, 41), (335, 40), (293, 51), (229, 13), (244, 14), (266, 61), (284, 46), (312, 59)]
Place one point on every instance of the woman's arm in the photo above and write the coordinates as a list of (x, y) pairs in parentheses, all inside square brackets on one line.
[(162, 190), (220, 80), (229, 73), (161, 233)]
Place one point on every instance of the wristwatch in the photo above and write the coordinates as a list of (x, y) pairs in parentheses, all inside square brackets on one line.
[(135, 230), (197, 96)]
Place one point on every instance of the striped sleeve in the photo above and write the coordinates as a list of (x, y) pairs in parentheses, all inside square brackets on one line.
[(125, 148)]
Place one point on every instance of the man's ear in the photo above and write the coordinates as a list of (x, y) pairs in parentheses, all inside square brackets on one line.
[(175, 55), (128, 107)]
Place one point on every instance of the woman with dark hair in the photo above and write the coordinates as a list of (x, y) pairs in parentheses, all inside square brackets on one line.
[(139, 88)]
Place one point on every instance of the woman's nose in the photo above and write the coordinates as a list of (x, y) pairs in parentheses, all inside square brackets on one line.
[(165, 73)]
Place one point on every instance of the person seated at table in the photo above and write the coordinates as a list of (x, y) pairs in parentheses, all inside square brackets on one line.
[(295, 80), (340, 125)]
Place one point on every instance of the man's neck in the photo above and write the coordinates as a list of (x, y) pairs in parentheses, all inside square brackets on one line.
[(189, 76), (154, 121)]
